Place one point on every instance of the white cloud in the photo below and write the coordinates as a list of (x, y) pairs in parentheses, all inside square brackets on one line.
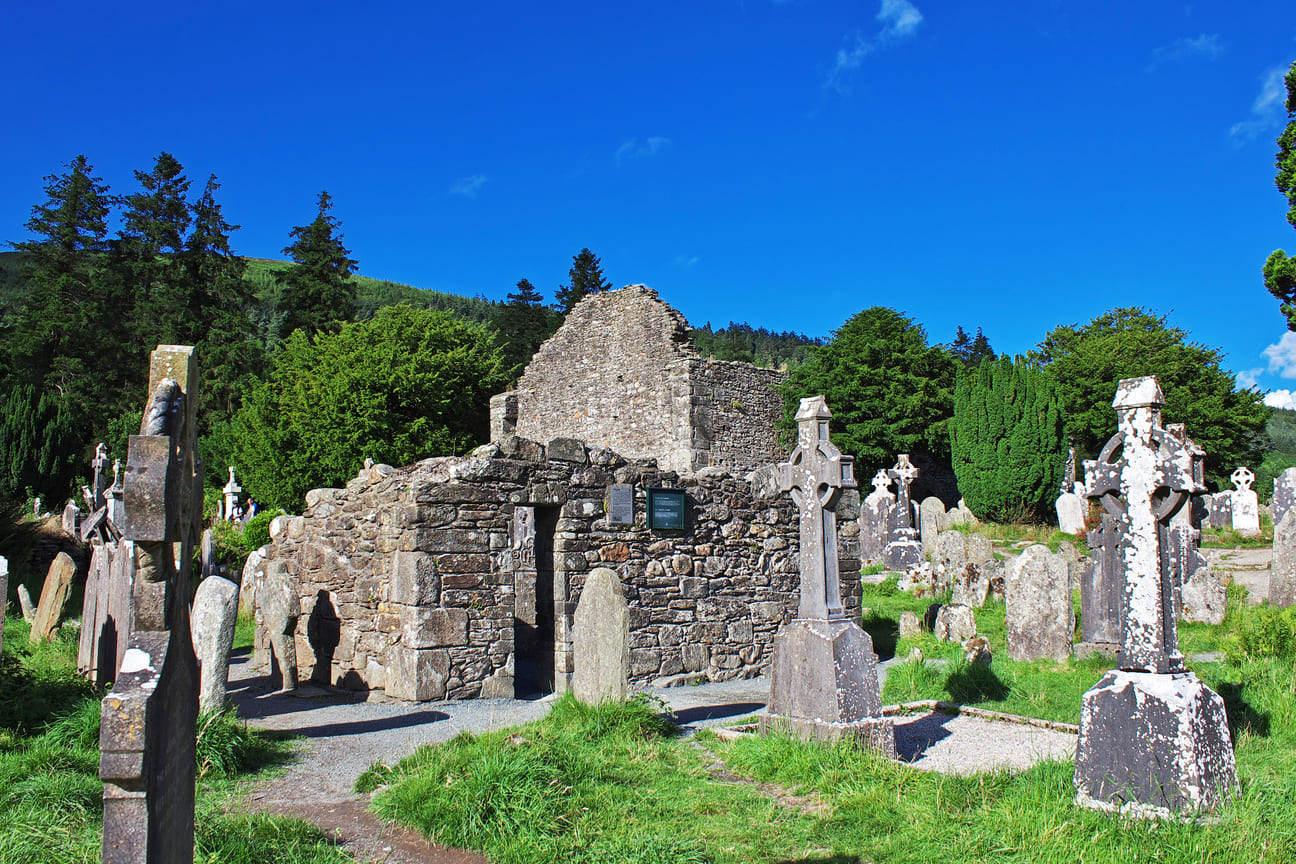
[(468, 187), (686, 261), (1206, 45), (1282, 355), (1247, 379), (645, 149), (1267, 110), (1281, 399), (900, 19)]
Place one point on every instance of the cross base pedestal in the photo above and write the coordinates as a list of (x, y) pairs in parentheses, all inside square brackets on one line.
[(1153, 745), (824, 685), (902, 554)]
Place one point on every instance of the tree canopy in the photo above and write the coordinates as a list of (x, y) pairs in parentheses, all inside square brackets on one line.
[(1088, 361), (318, 292), (404, 385), (889, 391), (1280, 270)]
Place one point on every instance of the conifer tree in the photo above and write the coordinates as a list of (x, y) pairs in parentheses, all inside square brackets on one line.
[(146, 259), (1006, 440), (1280, 270), (318, 293), (584, 277), (524, 323)]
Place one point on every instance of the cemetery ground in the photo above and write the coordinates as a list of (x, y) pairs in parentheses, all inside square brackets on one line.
[(619, 783)]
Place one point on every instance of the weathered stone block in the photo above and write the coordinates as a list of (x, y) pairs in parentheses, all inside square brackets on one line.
[(416, 675), (566, 450), (414, 579), (693, 587), (423, 627)]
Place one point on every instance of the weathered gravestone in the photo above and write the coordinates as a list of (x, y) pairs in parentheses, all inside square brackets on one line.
[(601, 640), (58, 584), (26, 604), (215, 612), (1284, 494), (232, 492), (904, 550), (1221, 510), (931, 521), (1102, 585), (909, 625), (1246, 506), (146, 735), (280, 606), (1282, 574), (1071, 513), (961, 564), (4, 588), (1153, 738), (877, 518), (824, 682), (106, 603), (1039, 619), (954, 623)]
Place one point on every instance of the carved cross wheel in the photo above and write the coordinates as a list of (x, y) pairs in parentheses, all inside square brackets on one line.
[(1172, 488)]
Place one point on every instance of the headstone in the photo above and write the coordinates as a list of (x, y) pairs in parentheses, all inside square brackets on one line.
[(146, 736), (215, 612), (904, 550), (1102, 588), (26, 604), (931, 516), (99, 469), (1284, 494), (954, 623), (232, 491), (976, 651), (877, 518), (1204, 597), (1154, 740), (1221, 511), (1246, 506), (824, 682), (601, 640), (72, 519), (1282, 573), (1039, 619), (280, 609), (909, 625), (4, 603), (58, 584), (1071, 513), (116, 497)]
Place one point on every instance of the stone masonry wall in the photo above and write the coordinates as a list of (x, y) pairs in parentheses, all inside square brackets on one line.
[(413, 579), (621, 373)]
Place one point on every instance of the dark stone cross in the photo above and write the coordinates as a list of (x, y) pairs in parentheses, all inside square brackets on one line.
[(816, 474), (903, 473), (1140, 490)]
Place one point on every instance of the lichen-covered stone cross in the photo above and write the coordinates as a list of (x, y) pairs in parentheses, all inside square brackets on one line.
[(816, 474), (1152, 475)]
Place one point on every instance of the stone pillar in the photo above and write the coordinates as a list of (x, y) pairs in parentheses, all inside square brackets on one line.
[(503, 415), (1284, 494), (823, 679), (601, 640), (1282, 575), (1153, 738)]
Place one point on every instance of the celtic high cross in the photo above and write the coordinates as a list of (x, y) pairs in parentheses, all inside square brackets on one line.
[(816, 474)]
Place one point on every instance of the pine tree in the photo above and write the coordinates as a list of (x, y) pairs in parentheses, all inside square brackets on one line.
[(524, 323), (1007, 440), (318, 292), (969, 351), (584, 277)]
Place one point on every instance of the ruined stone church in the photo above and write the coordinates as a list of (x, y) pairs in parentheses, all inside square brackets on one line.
[(459, 577)]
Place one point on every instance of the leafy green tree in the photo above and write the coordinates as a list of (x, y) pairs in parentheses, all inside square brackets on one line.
[(1088, 361), (1006, 440), (524, 322), (40, 444), (318, 293), (889, 391), (404, 385), (1280, 270), (584, 277)]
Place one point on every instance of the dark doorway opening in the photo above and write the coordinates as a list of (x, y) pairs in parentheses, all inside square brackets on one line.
[(533, 585)]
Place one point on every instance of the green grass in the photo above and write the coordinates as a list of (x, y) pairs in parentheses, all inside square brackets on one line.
[(1017, 532), (1227, 538), (50, 790)]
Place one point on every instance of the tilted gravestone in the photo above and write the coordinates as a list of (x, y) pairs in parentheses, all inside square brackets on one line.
[(215, 612), (146, 735), (1284, 496), (823, 678), (877, 518), (1039, 619), (601, 640), (1282, 574), (904, 549), (1153, 738), (1071, 513), (26, 604), (58, 584), (1246, 505)]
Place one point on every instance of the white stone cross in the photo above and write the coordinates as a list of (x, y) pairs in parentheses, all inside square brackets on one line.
[(882, 482), (1242, 478), (1152, 475), (816, 474)]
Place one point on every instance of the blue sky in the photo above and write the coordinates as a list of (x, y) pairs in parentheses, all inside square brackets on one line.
[(1013, 165)]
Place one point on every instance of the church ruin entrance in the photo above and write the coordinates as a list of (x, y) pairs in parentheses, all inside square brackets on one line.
[(533, 599)]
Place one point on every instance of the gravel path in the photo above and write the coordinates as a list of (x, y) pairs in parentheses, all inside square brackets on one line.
[(345, 734)]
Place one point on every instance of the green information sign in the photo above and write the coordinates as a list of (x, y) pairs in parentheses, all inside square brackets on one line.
[(666, 509)]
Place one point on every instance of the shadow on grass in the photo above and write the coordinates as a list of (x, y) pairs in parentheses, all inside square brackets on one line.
[(975, 682), (1241, 716), (30, 700), (884, 632), (836, 859)]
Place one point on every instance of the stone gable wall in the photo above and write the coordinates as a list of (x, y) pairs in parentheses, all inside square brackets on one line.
[(411, 579), (622, 373)]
